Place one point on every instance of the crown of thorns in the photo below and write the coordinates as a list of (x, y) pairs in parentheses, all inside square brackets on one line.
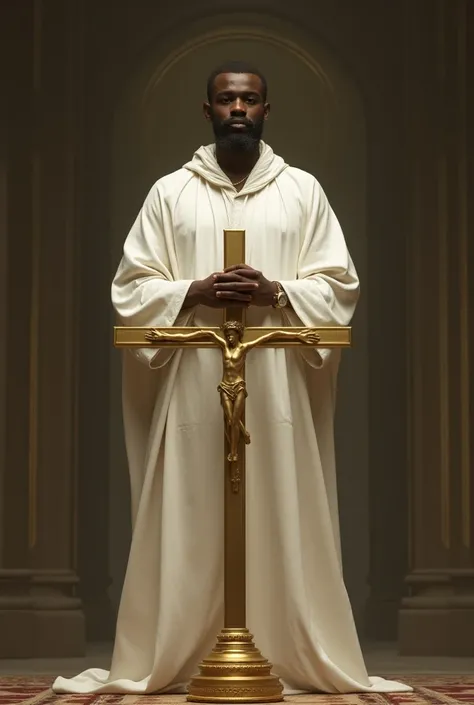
[(234, 325)]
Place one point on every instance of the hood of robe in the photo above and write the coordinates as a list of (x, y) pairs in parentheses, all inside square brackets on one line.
[(268, 167)]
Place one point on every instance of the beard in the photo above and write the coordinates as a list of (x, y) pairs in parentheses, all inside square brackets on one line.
[(244, 139)]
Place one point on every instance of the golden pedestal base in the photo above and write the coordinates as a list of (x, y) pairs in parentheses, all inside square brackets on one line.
[(235, 672)]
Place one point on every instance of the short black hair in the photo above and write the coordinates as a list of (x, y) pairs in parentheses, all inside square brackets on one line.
[(236, 67)]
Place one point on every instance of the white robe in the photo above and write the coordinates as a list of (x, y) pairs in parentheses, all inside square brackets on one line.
[(172, 603)]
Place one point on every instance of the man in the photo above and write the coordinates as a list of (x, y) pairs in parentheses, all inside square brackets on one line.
[(297, 272)]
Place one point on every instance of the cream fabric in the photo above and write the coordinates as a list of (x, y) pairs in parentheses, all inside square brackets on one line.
[(172, 603)]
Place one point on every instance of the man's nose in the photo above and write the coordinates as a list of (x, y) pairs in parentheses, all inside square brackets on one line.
[(239, 108)]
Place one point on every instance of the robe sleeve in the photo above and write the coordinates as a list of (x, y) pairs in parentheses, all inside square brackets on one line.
[(147, 289), (326, 290)]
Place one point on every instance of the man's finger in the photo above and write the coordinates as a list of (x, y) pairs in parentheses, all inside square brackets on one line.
[(238, 275), (236, 267), (248, 273), (233, 296), (236, 286), (231, 277)]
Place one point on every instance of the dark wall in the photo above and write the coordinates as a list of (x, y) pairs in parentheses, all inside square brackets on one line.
[(65, 64)]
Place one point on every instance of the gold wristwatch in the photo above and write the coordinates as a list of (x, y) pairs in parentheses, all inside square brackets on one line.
[(280, 297)]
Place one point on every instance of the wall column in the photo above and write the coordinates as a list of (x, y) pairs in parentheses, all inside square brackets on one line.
[(39, 608), (437, 615)]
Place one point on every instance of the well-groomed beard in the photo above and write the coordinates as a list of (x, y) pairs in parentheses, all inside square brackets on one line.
[(244, 139)]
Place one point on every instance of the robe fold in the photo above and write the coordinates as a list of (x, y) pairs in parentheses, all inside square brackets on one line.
[(171, 608)]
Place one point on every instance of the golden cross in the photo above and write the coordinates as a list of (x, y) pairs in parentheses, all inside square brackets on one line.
[(235, 671)]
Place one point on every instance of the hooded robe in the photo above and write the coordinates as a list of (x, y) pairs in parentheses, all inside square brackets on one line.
[(171, 608)]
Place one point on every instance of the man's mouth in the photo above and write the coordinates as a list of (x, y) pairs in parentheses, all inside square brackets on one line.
[(239, 124)]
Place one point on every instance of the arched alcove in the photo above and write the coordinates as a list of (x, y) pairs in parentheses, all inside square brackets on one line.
[(317, 123)]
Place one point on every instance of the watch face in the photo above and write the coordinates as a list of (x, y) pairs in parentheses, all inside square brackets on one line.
[(282, 299)]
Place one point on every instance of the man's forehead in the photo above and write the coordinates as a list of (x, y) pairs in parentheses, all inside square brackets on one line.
[(241, 82)]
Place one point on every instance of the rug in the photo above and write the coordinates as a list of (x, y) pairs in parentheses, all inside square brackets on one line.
[(429, 690)]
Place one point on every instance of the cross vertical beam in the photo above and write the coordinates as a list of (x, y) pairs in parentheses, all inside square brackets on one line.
[(234, 502)]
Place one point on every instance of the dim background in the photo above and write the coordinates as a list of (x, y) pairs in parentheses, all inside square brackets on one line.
[(102, 99)]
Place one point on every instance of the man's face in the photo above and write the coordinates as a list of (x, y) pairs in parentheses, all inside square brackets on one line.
[(232, 337), (237, 110)]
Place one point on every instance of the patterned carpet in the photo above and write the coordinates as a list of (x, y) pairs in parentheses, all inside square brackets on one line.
[(429, 690)]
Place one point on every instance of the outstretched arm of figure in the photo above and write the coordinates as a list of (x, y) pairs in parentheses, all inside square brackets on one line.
[(158, 334), (306, 336)]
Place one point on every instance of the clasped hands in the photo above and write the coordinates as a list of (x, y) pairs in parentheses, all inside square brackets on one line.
[(239, 285)]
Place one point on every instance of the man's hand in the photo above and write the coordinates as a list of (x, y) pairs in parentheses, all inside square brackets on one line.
[(232, 280), (204, 292)]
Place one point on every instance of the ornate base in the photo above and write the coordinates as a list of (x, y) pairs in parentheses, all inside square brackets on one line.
[(235, 672)]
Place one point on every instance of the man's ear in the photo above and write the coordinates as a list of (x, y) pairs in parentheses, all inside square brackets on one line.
[(206, 109), (266, 111)]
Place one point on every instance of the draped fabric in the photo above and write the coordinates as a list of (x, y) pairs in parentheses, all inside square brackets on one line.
[(172, 603)]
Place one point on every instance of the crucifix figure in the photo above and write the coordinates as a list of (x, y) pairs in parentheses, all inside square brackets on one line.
[(233, 389), (235, 671)]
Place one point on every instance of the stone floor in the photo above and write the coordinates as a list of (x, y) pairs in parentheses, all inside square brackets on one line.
[(381, 659)]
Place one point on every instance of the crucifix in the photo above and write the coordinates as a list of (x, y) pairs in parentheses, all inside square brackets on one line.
[(235, 671)]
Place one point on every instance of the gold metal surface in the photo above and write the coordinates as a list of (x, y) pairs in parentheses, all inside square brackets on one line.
[(233, 388), (235, 564), (235, 671), (234, 253), (329, 337)]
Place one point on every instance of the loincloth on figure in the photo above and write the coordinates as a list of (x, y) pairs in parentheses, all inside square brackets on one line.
[(232, 389)]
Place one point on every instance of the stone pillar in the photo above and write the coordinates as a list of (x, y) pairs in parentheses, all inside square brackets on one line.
[(437, 615), (39, 608)]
